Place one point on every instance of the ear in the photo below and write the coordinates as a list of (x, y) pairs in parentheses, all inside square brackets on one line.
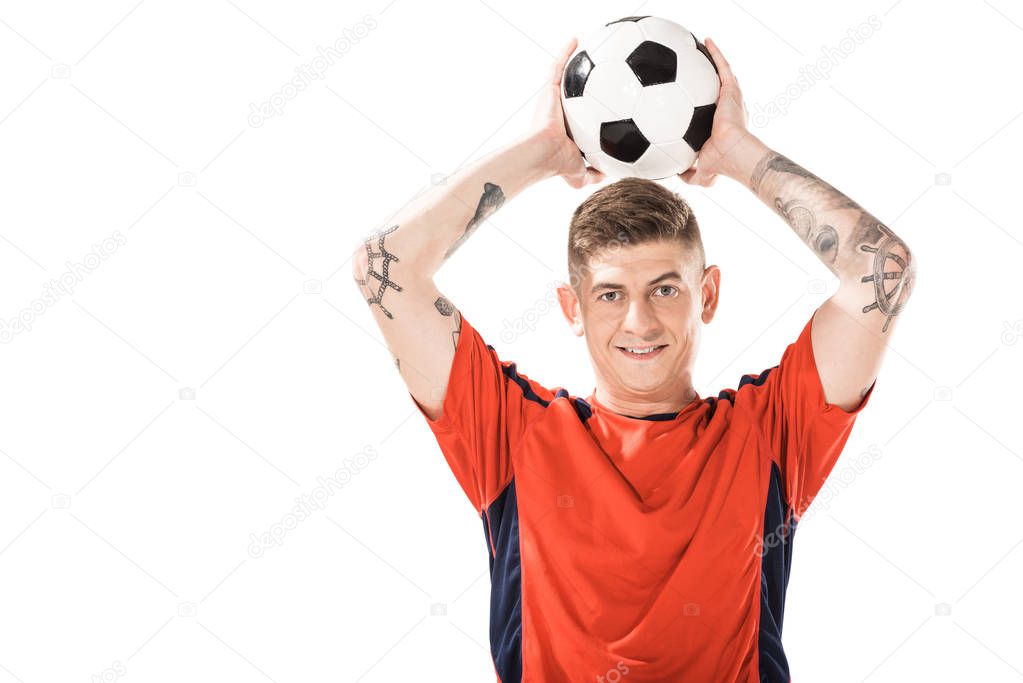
[(710, 287), (571, 307)]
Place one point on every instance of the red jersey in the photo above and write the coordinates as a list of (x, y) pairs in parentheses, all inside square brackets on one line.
[(646, 549)]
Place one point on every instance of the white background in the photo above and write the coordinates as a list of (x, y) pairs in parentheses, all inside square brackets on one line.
[(126, 510)]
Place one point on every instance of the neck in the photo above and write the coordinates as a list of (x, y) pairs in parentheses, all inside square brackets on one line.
[(635, 405)]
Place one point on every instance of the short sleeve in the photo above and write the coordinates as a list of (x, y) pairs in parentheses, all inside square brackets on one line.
[(485, 415), (806, 434)]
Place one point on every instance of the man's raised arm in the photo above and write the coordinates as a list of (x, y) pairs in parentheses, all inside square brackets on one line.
[(874, 266), (395, 266)]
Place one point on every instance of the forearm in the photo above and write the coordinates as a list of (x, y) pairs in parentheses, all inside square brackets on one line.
[(426, 231), (873, 264)]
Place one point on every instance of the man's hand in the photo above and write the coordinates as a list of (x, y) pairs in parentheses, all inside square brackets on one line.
[(395, 266), (548, 130), (875, 268), (728, 131)]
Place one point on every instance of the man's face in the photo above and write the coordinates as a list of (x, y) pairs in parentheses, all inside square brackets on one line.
[(641, 309)]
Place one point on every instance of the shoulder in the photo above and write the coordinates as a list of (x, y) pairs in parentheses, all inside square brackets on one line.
[(531, 389), (748, 390), (536, 396)]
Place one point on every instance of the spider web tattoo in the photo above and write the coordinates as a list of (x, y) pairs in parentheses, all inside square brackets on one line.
[(382, 275)]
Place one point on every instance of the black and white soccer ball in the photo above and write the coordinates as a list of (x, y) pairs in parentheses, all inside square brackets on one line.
[(639, 96)]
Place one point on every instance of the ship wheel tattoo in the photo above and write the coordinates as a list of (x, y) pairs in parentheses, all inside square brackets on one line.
[(891, 287), (381, 276)]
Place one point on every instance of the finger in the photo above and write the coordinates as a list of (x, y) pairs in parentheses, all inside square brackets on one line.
[(687, 176), (695, 177), (594, 175), (576, 177), (724, 68), (559, 66), (549, 99)]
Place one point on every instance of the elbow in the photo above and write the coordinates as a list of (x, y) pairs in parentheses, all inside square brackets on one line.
[(360, 265), (893, 271), (887, 265), (909, 270)]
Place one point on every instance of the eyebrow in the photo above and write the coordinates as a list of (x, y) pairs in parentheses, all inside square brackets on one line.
[(672, 274)]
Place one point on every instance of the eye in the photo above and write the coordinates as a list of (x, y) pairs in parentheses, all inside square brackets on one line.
[(672, 290), (601, 297)]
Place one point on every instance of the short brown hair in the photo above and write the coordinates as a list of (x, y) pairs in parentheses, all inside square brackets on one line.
[(627, 212)]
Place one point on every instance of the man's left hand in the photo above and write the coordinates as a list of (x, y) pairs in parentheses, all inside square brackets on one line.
[(728, 130)]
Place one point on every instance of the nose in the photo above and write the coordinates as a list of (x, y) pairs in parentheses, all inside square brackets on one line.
[(640, 320)]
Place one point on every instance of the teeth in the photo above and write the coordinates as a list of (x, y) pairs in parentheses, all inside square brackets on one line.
[(642, 351)]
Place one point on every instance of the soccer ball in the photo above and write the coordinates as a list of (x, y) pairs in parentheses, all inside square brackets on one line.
[(639, 97)]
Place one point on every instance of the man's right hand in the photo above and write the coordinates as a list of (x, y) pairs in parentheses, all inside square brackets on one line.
[(395, 265), (562, 155)]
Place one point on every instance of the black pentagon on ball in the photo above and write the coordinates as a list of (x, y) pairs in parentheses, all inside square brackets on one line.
[(706, 53), (653, 63), (576, 73), (622, 140), (618, 21), (700, 126)]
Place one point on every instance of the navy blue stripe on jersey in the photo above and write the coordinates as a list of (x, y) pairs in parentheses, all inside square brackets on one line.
[(713, 403), (729, 394), (656, 417), (527, 388), (755, 381), (751, 380), (582, 408), (775, 565), (501, 526)]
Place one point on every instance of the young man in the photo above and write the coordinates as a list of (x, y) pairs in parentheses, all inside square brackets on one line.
[(642, 533)]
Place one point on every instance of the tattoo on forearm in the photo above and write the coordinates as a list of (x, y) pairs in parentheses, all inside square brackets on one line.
[(804, 200), (823, 239), (382, 276), (773, 161), (759, 170), (891, 287), (818, 192), (490, 201)]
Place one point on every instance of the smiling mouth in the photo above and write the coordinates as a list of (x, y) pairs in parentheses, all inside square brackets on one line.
[(642, 352)]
